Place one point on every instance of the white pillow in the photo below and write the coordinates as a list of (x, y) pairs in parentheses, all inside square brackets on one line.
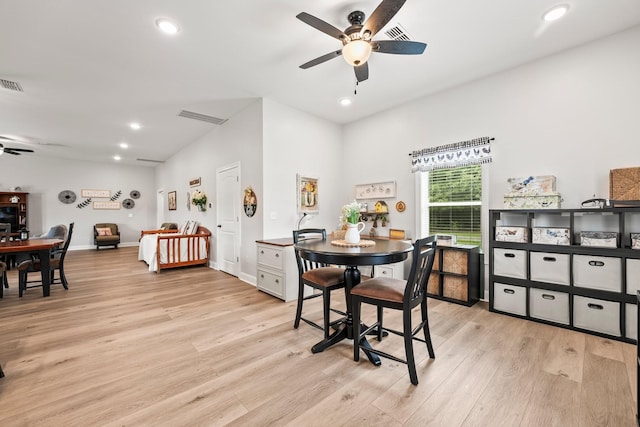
[(193, 227), (183, 228)]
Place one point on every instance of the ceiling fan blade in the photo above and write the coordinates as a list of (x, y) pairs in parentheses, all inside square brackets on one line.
[(386, 10), (321, 59), (6, 150), (320, 25), (362, 72), (24, 150), (400, 47)]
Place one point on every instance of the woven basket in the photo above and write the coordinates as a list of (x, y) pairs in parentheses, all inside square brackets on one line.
[(624, 184)]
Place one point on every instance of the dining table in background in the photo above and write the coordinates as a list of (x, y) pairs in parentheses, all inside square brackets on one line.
[(384, 251), (42, 247)]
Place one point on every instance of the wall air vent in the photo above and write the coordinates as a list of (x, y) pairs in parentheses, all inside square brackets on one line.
[(8, 84), (201, 117), (150, 161), (397, 33)]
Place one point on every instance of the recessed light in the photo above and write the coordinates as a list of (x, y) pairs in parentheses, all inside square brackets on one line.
[(345, 102), (124, 145), (117, 158), (167, 26), (135, 126), (556, 12)]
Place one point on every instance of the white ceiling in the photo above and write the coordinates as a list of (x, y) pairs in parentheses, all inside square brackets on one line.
[(89, 67)]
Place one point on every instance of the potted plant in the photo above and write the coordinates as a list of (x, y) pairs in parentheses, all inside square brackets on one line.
[(199, 198)]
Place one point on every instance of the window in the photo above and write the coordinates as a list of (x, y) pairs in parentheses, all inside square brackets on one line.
[(451, 203)]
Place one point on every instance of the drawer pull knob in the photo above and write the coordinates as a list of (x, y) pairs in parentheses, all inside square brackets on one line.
[(509, 291), (508, 255), (549, 258), (262, 252), (596, 263), (277, 255), (277, 281), (595, 306), (548, 296), (262, 276)]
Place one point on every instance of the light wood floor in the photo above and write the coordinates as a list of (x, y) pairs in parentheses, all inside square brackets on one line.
[(194, 346)]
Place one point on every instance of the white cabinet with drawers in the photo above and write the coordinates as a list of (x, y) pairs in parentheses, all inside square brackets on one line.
[(587, 286), (277, 272)]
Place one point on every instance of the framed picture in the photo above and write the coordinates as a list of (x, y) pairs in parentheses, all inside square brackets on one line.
[(172, 201), (307, 198), (95, 193), (194, 182), (106, 205), (188, 201), (376, 190)]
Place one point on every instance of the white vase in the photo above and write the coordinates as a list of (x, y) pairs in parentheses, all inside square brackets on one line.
[(353, 232)]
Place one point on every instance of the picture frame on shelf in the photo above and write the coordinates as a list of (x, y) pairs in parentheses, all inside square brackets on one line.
[(307, 194)]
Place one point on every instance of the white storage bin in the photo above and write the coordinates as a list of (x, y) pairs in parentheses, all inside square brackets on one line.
[(550, 267), (549, 305), (510, 263), (597, 272), (510, 298), (631, 321), (596, 315), (633, 276)]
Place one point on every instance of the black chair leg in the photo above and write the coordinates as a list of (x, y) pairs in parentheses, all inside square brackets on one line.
[(425, 328), (355, 309), (380, 330), (296, 323), (327, 311), (408, 347), (22, 282)]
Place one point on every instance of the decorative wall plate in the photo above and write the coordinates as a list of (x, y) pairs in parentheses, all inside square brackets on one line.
[(67, 197), (135, 194), (249, 202), (128, 203), (400, 206)]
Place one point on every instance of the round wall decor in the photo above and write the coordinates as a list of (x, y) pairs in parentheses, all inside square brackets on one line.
[(400, 206), (135, 194), (67, 197), (250, 202), (128, 203)]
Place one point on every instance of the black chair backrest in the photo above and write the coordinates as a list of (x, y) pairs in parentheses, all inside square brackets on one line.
[(424, 253), (5, 231), (308, 234), (65, 246)]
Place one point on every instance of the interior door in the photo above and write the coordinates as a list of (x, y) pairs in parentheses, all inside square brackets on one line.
[(228, 213)]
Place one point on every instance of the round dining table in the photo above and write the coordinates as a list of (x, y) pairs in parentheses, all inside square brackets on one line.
[(383, 251)]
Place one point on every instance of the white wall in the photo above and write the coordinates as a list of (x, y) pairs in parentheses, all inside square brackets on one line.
[(573, 115), (298, 143), (44, 177)]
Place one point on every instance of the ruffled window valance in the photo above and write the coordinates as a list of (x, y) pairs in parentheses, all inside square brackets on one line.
[(464, 153)]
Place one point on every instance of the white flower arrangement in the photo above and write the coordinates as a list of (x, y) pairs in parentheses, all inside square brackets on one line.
[(199, 198), (351, 213)]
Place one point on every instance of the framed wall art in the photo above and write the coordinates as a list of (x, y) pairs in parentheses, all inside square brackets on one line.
[(172, 201), (97, 194), (194, 182), (106, 205), (376, 190), (307, 197)]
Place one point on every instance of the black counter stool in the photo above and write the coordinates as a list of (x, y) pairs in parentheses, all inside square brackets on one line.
[(401, 295), (318, 276)]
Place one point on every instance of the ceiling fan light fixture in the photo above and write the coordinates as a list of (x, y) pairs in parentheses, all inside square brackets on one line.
[(167, 26), (356, 52)]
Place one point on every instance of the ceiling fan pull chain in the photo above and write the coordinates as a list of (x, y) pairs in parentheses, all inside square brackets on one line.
[(355, 89)]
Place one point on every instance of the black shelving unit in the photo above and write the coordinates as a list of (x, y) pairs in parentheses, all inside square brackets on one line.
[(456, 274)]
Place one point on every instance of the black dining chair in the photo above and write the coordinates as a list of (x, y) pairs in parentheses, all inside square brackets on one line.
[(3, 277), (5, 234), (317, 276), (56, 263), (399, 295)]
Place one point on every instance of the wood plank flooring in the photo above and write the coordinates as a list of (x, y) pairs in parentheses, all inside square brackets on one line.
[(195, 346)]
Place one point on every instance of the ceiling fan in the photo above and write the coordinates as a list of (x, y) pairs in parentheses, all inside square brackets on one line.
[(357, 43), (10, 150)]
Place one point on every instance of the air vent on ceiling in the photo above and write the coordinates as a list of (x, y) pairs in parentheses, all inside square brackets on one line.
[(8, 84), (397, 33), (150, 161), (201, 117)]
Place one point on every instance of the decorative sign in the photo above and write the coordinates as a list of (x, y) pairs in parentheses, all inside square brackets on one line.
[(106, 205), (378, 190), (250, 202), (307, 194), (194, 182), (172, 201), (96, 193)]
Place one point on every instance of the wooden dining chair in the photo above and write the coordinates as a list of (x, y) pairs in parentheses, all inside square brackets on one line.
[(317, 276), (56, 263), (396, 294)]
